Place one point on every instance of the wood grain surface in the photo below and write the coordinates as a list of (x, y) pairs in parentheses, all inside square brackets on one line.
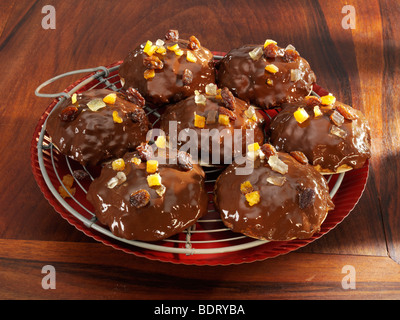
[(360, 66)]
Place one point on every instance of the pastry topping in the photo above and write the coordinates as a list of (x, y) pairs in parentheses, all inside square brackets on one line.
[(173, 47), (290, 55), (253, 147), (69, 113), (250, 113), (312, 100), (117, 180), (67, 191), (268, 42), (149, 49), (317, 112), (256, 53), (223, 119), (152, 166), (172, 35), (179, 52), (145, 151), (135, 97), (187, 77), (199, 121), (272, 51), (96, 104), (276, 180), (116, 117), (299, 156), (136, 161), (153, 62), (306, 198), (227, 112), (200, 98), (270, 82), (190, 57), (337, 118), (110, 98), (277, 164), (271, 68), (160, 43), (336, 131), (74, 98), (139, 198), (328, 100), (194, 43), (149, 74), (161, 142), (154, 180), (268, 150), (137, 116), (246, 187), (185, 161), (161, 50), (161, 190), (211, 89), (295, 75), (228, 99), (346, 112), (253, 197), (301, 115), (212, 117), (118, 164)]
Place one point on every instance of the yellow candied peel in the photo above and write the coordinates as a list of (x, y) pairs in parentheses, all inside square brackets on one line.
[(328, 100), (271, 68), (253, 198), (223, 119), (199, 121), (149, 74), (151, 166), (136, 160), (190, 56), (154, 180), (118, 164), (110, 98), (301, 115), (116, 117), (253, 147), (268, 42), (246, 187)]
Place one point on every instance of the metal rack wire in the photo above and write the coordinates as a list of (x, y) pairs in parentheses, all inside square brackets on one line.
[(208, 236)]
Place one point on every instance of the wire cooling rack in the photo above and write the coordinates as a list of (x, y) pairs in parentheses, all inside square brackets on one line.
[(208, 236)]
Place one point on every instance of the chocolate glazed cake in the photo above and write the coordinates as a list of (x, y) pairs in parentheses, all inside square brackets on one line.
[(281, 199), (97, 125), (168, 70), (266, 76), (333, 136), (140, 198)]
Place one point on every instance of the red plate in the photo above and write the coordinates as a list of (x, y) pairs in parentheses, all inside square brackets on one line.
[(345, 199)]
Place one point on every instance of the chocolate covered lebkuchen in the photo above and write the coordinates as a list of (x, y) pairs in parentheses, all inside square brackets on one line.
[(141, 198), (266, 75), (332, 135), (168, 69), (281, 198), (222, 123), (97, 125)]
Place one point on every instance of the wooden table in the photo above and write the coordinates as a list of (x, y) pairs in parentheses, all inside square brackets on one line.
[(360, 66)]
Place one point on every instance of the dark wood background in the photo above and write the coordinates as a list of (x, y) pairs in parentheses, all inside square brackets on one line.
[(360, 66)]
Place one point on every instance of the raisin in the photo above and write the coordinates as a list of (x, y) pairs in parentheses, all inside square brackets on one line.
[(290, 55), (306, 198), (299, 156), (139, 198), (346, 112), (187, 77), (268, 150), (227, 112), (194, 43), (172, 35), (153, 62), (135, 97), (185, 161), (69, 113), (137, 116), (312, 101), (271, 50), (228, 99), (145, 151)]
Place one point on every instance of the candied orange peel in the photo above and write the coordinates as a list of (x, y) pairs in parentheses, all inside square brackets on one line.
[(253, 198), (301, 115), (118, 164)]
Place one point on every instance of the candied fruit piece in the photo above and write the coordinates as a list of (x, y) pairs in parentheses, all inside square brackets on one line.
[(63, 191), (161, 142), (139, 198), (317, 112), (277, 164), (118, 164), (179, 52), (116, 117), (295, 75), (301, 115), (200, 98), (276, 180), (68, 180), (173, 47), (256, 53), (152, 166), (190, 57), (250, 113), (253, 197), (337, 118), (136, 160), (149, 49), (74, 98), (154, 180), (223, 119), (96, 104), (211, 89), (271, 68), (161, 50), (199, 121), (110, 98), (161, 190), (253, 147), (246, 187), (149, 74), (268, 42), (328, 100), (336, 131)]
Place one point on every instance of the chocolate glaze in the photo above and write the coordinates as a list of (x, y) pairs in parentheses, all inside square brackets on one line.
[(93, 136), (167, 86), (314, 139), (278, 215), (183, 114), (247, 78), (184, 201)]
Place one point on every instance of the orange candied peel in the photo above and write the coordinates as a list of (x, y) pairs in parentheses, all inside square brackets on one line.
[(301, 115), (116, 117), (253, 197), (149, 48), (328, 100), (136, 160), (246, 187), (149, 74), (118, 164), (151, 166), (223, 119), (253, 147), (271, 68), (154, 180), (199, 121), (110, 98), (190, 57)]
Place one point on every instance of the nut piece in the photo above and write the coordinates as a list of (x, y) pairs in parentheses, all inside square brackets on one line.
[(194, 43), (172, 35), (184, 161), (118, 164), (110, 98), (299, 156), (139, 198), (116, 117), (228, 99), (246, 187), (271, 50), (151, 166), (199, 121), (154, 180), (227, 112), (301, 115), (271, 68), (312, 100), (135, 97), (253, 197), (346, 112)]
